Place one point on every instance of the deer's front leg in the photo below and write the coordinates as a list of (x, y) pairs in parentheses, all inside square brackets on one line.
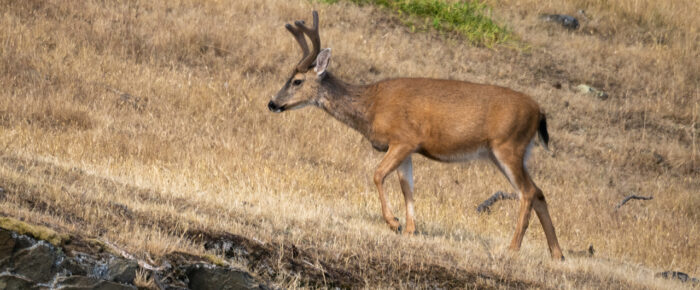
[(394, 156)]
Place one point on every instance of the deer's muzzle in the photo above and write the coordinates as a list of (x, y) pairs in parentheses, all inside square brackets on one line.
[(274, 107)]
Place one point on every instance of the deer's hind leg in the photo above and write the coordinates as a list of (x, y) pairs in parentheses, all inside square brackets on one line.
[(510, 161), (405, 172)]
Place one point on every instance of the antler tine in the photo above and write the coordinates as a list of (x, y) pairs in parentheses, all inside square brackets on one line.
[(299, 36), (312, 33)]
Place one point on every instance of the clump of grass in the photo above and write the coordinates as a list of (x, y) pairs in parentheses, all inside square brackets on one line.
[(214, 259), (144, 281), (469, 18)]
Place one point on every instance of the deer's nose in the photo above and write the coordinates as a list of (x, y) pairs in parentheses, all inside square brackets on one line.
[(273, 107)]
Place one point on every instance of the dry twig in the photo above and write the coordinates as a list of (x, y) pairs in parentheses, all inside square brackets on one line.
[(485, 206), (140, 262), (632, 196)]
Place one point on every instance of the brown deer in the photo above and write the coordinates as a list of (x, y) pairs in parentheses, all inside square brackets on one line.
[(443, 120)]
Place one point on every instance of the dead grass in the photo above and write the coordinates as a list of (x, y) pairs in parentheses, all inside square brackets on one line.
[(138, 122)]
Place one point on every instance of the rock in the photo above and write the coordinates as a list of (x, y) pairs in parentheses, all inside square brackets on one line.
[(72, 266), (84, 282), (122, 270), (36, 262), (22, 242), (14, 282), (207, 277), (658, 158), (567, 21), (7, 245), (586, 89)]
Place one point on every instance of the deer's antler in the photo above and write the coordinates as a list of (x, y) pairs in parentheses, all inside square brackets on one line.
[(298, 30)]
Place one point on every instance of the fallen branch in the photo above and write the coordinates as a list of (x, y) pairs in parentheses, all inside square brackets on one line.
[(632, 196), (140, 262), (680, 276), (485, 206)]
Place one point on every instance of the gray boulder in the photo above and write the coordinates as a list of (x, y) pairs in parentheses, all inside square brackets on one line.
[(205, 277), (7, 245), (36, 262), (122, 270)]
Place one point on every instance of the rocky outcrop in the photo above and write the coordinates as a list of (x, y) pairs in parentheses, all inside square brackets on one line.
[(122, 270), (85, 282), (36, 263), (11, 282), (30, 263), (206, 277)]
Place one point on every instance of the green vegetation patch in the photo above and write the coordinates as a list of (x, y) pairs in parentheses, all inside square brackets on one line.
[(37, 232), (469, 18), (216, 260)]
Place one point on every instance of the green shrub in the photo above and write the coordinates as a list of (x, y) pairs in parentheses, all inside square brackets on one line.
[(469, 18)]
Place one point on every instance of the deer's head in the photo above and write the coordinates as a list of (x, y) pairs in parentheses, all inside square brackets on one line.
[(301, 88)]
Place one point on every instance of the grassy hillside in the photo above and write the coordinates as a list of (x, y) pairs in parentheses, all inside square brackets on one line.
[(145, 122)]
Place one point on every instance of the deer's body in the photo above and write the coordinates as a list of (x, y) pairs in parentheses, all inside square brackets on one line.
[(444, 120), (430, 114)]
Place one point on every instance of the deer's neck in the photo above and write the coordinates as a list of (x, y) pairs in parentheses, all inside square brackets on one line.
[(346, 103)]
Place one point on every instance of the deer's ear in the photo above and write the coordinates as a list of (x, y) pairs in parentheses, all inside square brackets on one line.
[(322, 60)]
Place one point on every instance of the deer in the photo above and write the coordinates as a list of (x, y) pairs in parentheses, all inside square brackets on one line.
[(442, 120)]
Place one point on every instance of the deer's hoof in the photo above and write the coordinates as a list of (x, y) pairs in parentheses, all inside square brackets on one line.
[(395, 226)]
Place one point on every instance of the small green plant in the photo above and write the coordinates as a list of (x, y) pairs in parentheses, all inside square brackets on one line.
[(469, 18)]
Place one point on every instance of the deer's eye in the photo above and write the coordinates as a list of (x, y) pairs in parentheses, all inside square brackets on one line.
[(297, 82)]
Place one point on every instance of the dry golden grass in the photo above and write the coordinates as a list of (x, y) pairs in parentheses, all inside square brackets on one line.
[(135, 121)]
